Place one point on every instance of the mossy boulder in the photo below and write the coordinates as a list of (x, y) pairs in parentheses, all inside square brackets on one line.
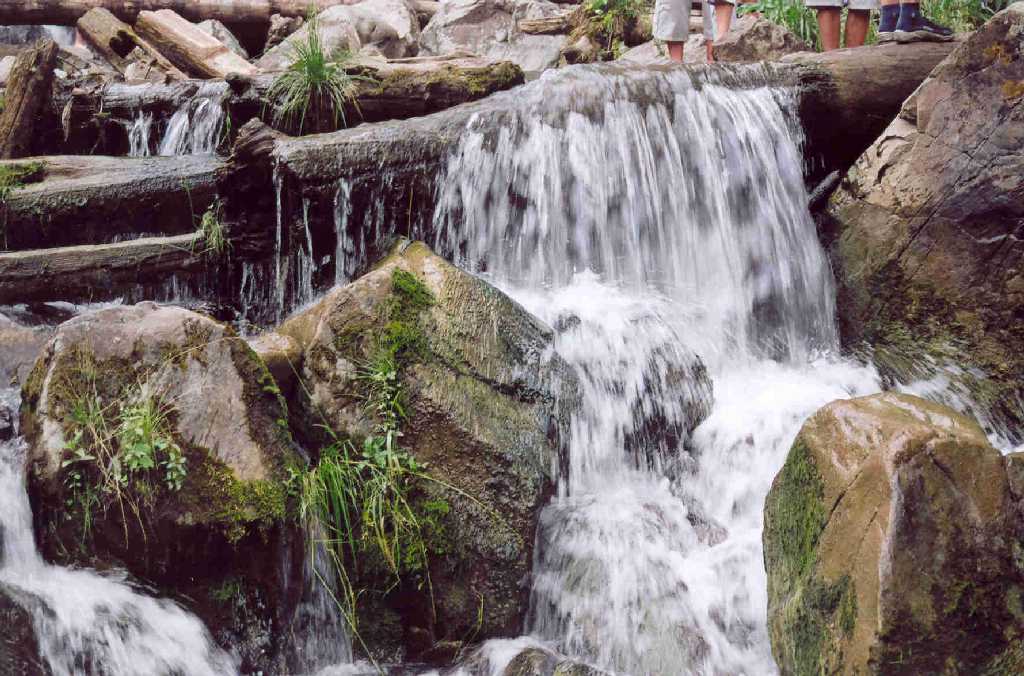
[(928, 251), (892, 544), (158, 443), (486, 402)]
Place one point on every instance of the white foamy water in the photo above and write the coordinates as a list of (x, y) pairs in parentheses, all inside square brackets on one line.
[(195, 128), (91, 623), (670, 246)]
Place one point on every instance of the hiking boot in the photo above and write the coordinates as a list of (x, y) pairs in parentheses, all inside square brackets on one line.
[(915, 27)]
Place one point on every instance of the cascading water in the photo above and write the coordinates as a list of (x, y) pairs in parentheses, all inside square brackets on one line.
[(86, 622), (195, 128), (648, 234), (139, 133)]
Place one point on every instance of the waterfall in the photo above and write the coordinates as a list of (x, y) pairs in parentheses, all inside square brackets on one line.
[(669, 244), (138, 135), (85, 621)]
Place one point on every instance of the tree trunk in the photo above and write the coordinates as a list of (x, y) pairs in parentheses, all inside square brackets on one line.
[(117, 42), (27, 90), (67, 12), (188, 47)]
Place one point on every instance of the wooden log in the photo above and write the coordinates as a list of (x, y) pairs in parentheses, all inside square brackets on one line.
[(118, 43), (95, 272), (560, 24), (92, 200), (188, 47), (849, 96), (28, 89), (67, 12)]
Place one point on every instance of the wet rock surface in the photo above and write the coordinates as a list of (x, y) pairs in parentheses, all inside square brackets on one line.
[(481, 413), (928, 223), (19, 649), (117, 395), (891, 544)]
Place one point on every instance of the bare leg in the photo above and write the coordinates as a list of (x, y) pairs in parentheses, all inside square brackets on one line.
[(711, 50), (828, 27), (723, 19), (857, 28), (675, 51)]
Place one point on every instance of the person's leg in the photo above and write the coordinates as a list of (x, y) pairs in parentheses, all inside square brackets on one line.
[(857, 22), (828, 27), (887, 23), (675, 51), (914, 27)]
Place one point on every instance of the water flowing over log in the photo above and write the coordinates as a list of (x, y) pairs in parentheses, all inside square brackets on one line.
[(28, 89), (67, 12)]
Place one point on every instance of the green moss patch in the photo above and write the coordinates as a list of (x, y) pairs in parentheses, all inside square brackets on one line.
[(18, 175)]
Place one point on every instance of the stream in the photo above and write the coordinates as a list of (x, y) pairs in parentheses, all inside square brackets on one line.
[(671, 248)]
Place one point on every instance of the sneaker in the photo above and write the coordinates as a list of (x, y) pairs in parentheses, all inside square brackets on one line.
[(920, 29), (886, 36)]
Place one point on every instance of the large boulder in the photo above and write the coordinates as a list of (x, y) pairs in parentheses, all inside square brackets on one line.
[(158, 443), (892, 545), (927, 226), (490, 28), (755, 38), (385, 27), (486, 402)]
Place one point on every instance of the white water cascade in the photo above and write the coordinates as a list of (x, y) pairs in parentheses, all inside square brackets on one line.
[(86, 622), (654, 237), (195, 128)]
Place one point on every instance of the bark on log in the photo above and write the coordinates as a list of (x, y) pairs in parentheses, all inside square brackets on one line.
[(67, 12), (851, 95), (94, 272), (116, 42), (92, 200), (560, 24), (28, 89), (188, 47)]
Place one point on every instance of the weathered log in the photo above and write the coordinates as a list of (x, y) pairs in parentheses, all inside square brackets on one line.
[(560, 24), (118, 43), (95, 272), (188, 47), (92, 200), (67, 12), (28, 89), (849, 96), (396, 90)]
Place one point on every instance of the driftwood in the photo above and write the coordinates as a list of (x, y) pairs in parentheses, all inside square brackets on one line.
[(67, 12), (91, 200), (95, 272), (559, 24), (120, 45), (28, 88), (189, 48)]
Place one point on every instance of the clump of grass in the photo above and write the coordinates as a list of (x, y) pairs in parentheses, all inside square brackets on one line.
[(212, 230), (18, 175), (315, 89), (962, 15)]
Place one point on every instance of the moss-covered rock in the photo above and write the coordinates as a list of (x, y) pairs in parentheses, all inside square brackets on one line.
[(891, 543), (485, 400), (929, 254), (159, 444)]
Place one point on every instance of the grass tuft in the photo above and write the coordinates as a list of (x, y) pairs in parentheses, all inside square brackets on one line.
[(315, 89), (212, 230)]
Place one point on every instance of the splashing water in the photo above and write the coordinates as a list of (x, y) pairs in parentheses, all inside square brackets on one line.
[(138, 135), (669, 244), (195, 128), (86, 622)]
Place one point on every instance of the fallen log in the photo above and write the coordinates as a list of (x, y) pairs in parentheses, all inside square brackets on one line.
[(88, 273), (28, 89), (67, 12), (96, 119), (849, 96), (560, 24), (188, 47), (119, 44), (93, 200)]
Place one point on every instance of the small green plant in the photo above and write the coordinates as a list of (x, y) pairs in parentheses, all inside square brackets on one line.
[(14, 175), (212, 230), (315, 88), (791, 14), (145, 444), (608, 21), (962, 15)]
